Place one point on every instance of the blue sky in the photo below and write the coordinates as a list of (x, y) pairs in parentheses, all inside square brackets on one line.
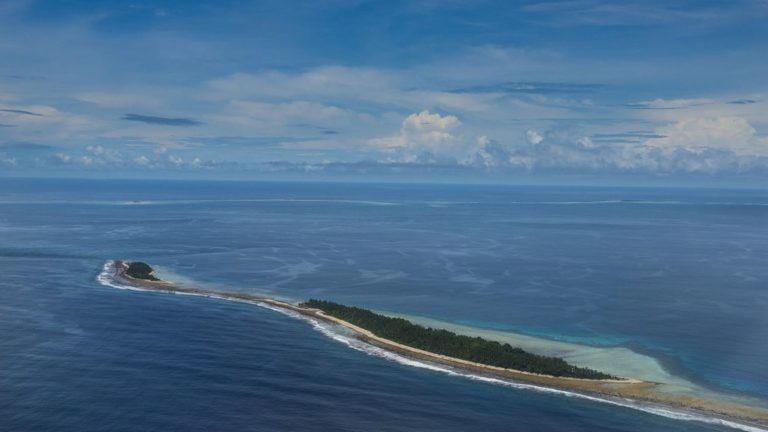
[(515, 90)]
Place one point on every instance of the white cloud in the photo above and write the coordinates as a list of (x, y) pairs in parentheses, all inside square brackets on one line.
[(95, 149), (533, 137), (142, 160), (708, 146), (488, 153), (402, 89), (586, 142), (676, 110), (333, 112), (175, 160), (734, 134), (422, 132), (43, 123)]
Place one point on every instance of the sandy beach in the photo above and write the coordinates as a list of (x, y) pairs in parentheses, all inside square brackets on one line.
[(625, 387)]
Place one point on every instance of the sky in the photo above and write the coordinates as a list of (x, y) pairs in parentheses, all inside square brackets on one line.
[(529, 91)]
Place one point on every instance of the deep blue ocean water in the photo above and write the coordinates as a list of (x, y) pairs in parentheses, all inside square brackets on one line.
[(680, 274)]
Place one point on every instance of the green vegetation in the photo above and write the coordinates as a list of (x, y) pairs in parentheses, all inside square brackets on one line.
[(140, 270), (450, 344)]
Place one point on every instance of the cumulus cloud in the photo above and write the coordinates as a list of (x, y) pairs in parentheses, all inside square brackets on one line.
[(344, 114), (421, 133), (734, 134), (489, 153), (103, 156), (693, 146), (578, 156), (533, 137), (175, 160), (364, 167), (142, 160), (95, 149)]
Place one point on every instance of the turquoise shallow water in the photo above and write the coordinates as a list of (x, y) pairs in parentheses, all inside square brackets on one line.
[(675, 274)]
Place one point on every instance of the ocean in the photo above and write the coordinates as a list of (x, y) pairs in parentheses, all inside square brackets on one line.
[(674, 278)]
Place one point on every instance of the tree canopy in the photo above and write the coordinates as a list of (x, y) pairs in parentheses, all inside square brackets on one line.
[(140, 270), (450, 344)]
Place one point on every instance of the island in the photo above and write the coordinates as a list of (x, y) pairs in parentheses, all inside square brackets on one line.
[(471, 354), (449, 344), (140, 270)]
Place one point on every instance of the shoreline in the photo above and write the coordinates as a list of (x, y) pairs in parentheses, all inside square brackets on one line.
[(623, 388)]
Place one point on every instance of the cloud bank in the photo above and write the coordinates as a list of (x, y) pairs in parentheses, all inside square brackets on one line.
[(521, 88)]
